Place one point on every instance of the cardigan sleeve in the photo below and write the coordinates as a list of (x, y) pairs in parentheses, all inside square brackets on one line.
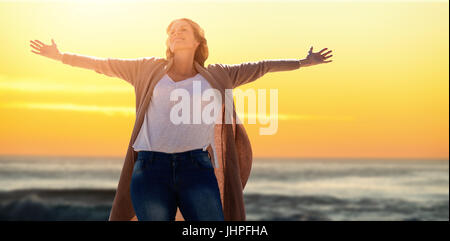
[(250, 71), (126, 69)]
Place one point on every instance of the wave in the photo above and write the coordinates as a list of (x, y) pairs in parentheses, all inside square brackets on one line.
[(325, 207), (56, 204), (95, 205)]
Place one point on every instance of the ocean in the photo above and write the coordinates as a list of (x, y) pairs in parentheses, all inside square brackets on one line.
[(62, 188)]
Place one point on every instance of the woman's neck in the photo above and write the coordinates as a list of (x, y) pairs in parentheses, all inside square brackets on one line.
[(183, 64)]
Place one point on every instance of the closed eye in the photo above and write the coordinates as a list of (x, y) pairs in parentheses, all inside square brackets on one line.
[(183, 29)]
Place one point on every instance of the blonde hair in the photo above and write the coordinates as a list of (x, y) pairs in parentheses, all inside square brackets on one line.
[(201, 53)]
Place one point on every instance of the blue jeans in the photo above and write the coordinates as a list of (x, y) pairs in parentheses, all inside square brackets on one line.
[(162, 181)]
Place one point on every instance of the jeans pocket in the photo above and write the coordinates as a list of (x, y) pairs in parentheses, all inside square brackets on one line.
[(142, 163), (202, 160), (138, 165)]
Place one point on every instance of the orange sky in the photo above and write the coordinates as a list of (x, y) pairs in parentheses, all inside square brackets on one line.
[(385, 95)]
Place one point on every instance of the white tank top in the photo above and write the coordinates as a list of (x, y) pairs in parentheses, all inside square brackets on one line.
[(159, 133)]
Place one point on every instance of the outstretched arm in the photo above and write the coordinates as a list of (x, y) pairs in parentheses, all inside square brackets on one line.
[(250, 71), (126, 69)]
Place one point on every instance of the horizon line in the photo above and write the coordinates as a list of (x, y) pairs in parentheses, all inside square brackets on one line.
[(255, 157)]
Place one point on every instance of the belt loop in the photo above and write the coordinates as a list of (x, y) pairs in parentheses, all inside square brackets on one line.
[(151, 156), (190, 155)]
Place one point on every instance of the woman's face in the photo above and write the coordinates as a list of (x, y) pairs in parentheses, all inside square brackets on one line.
[(181, 37)]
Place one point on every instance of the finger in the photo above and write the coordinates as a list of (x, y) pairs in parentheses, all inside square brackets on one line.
[(326, 53), (328, 61), (40, 42), (34, 47), (35, 52), (322, 50), (310, 50), (53, 42), (327, 57), (35, 43)]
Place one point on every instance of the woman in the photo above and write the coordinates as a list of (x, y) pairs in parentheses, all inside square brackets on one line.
[(167, 170)]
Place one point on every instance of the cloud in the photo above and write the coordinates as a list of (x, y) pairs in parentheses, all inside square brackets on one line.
[(108, 110), (45, 85), (298, 117), (130, 111)]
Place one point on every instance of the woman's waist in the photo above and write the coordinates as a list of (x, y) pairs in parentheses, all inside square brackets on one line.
[(147, 154)]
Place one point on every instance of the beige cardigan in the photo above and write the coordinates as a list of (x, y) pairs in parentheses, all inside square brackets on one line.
[(233, 147)]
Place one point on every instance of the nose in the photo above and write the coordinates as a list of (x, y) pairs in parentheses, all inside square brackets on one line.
[(176, 33)]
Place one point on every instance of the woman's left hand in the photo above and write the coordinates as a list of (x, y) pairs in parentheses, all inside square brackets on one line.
[(317, 58)]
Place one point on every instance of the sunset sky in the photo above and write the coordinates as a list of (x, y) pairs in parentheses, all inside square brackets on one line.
[(385, 95)]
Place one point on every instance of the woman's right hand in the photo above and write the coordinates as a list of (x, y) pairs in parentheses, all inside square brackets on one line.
[(50, 51)]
